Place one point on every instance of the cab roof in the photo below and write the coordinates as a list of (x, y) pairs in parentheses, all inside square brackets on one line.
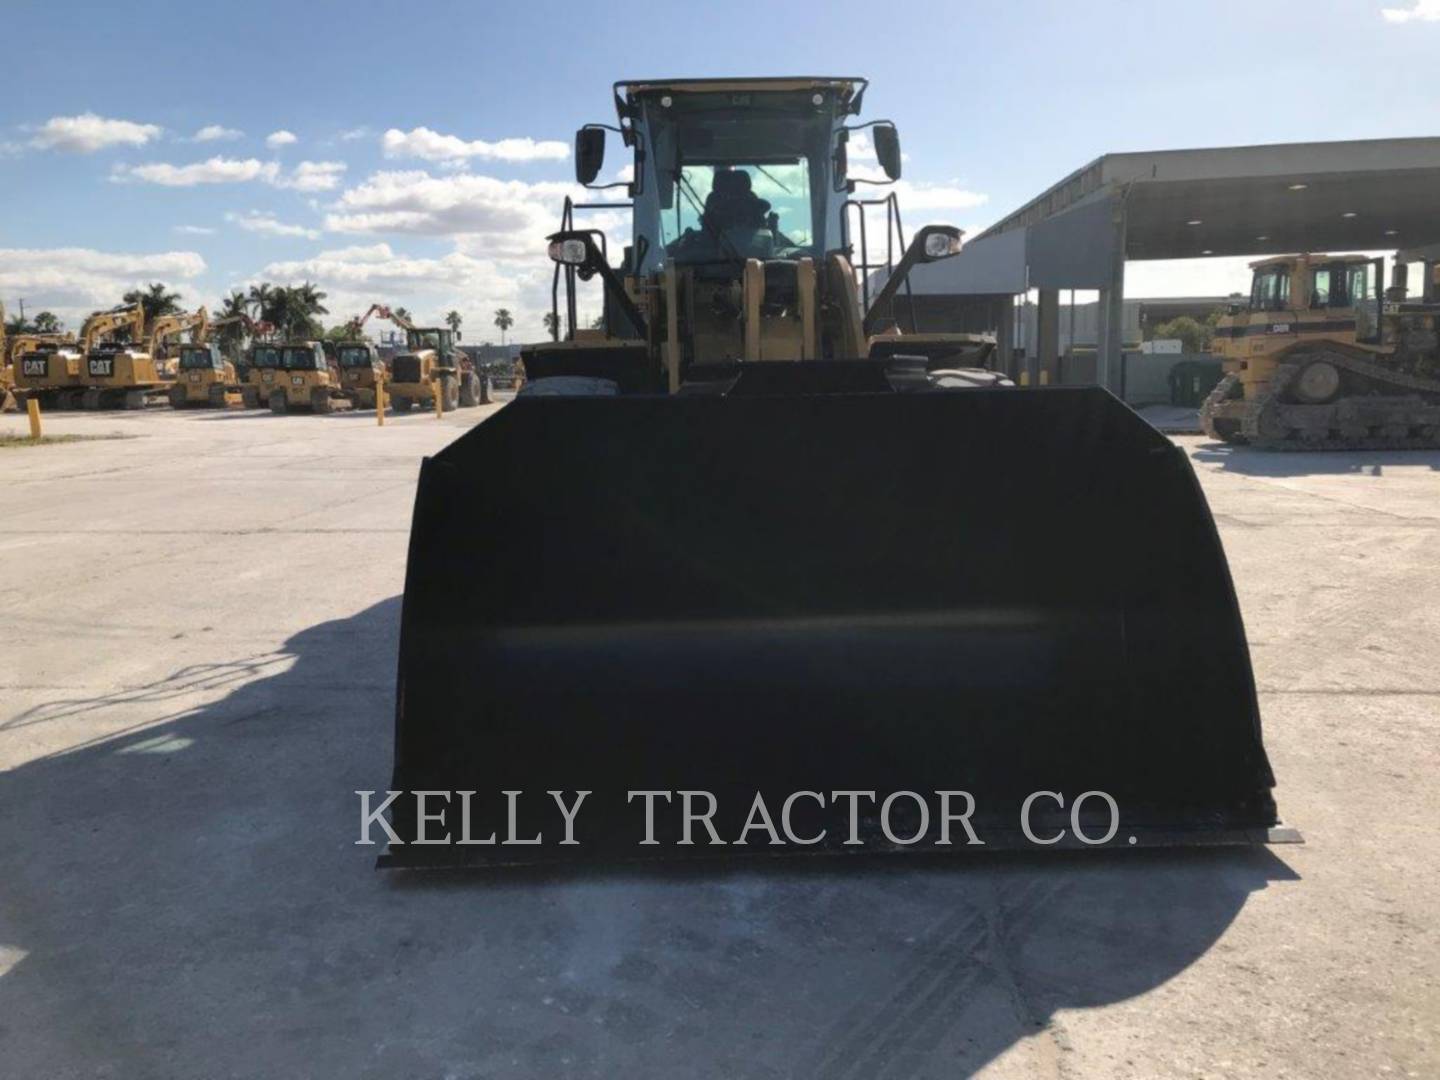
[(849, 89), (1314, 259)]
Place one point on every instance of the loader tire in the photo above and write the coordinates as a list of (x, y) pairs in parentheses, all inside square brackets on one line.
[(450, 392), (279, 402), (469, 390)]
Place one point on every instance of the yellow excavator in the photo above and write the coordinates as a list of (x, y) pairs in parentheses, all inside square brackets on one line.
[(1324, 357), (776, 554), (14, 347), (132, 374), (56, 374)]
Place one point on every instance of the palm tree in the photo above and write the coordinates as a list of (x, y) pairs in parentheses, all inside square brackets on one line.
[(504, 320), (552, 324), (156, 299), (453, 320), (17, 324), (261, 296), (231, 337)]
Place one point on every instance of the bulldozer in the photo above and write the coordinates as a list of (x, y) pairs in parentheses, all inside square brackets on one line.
[(203, 376), (57, 374), (304, 380), (770, 556), (262, 374), (361, 371), (1323, 356)]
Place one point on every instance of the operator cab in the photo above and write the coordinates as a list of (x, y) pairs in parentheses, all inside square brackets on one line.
[(356, 356), (200, 358), (310, 357), (442, 341), (265, 356)]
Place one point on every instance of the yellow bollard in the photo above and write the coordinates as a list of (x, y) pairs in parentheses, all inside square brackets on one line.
[(33, 408), (435, 388), (380, 402)]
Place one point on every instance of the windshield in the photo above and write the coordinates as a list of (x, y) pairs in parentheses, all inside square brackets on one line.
[(195, 358), (354, 356), (729, 177), (740, 210), (265, 356), (300, 358), (422, 339)]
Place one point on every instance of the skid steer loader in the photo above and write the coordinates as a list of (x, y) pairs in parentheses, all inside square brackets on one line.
[(779, 575)]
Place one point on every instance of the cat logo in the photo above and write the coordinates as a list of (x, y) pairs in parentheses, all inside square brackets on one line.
[(35, 367), (102, 367)]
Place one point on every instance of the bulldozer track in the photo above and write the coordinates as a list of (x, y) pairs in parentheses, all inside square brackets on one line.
[(1260, 421)]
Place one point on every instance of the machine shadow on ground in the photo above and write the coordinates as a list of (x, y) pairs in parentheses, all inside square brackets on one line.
[(1248, 462), (186, 898)]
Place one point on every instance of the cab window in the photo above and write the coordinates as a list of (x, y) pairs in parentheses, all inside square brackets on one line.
[(1271, 291), (1320, 289), (1358, 286)]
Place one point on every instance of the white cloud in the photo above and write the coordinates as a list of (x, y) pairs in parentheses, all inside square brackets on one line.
[(355, 277), (216, 170), (421, 142), (504, 218), (306, 176), (217, 133), (73, 282), (361, 132), (313, 176), (86, 133), (1423, 11), (258, 221), (277, 139), (194, 230)]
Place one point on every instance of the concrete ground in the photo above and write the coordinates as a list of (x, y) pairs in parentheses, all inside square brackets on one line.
[(197, 648)]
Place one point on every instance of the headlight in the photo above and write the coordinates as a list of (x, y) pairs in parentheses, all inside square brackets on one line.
[(571, 252), (939, 245)]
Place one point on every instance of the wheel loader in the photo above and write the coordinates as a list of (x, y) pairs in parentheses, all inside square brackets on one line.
[(780, 571), (57, 374), (1323, 356), (431, 363), (305, 381)]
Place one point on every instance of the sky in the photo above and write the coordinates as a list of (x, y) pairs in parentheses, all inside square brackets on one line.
[(416, 154)]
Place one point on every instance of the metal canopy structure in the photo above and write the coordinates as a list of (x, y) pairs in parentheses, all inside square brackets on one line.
[(1367, 195)]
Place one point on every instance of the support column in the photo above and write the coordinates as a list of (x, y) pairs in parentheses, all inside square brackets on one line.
[(1004, 334), (1047, 339), (1110, 340)]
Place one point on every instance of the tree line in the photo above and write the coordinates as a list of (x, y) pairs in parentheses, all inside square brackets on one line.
[(290, 312)]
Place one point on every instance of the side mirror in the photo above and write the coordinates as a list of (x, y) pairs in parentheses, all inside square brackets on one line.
[(589, 154), (935, 242), (887, 149)]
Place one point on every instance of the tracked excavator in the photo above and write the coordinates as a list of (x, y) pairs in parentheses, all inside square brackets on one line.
[(57, 375), (15, 347), (1324, 356), (765, 544)]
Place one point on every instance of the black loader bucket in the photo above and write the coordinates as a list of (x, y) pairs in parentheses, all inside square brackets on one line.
[(837, 621)]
